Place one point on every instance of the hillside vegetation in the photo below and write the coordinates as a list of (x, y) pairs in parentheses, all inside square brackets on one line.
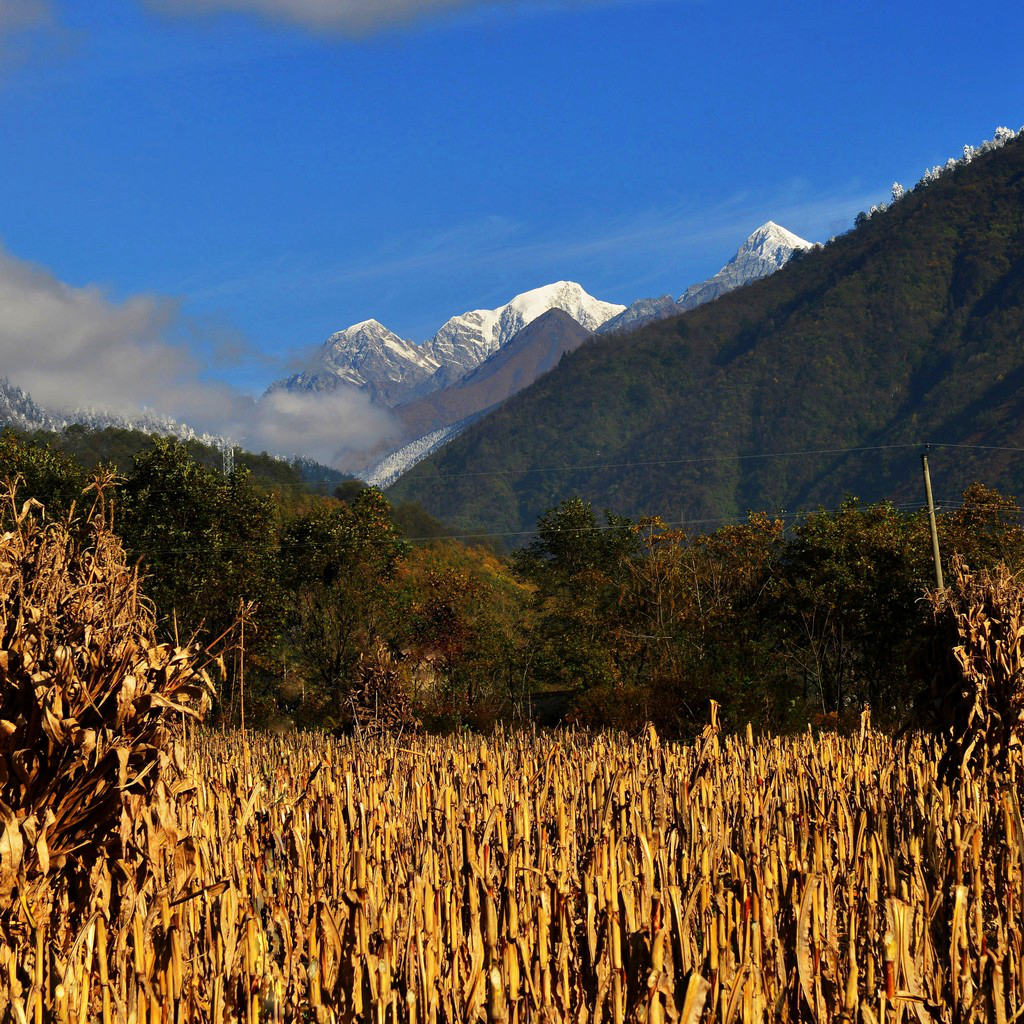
[(906, 329), (119, 446), (359, 611)]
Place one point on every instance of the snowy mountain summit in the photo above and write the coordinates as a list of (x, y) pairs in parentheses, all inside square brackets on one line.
[(373, 358), (765, 251), (465, 341), (368, 356)]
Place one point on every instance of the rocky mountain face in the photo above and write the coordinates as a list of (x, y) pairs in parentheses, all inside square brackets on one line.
[(371, 357), (765, 251), (641, 312), (478, 359)]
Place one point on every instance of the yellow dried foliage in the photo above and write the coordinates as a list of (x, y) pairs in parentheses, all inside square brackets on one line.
[(393, 879), (554, 878), (982, 617), (86, 695)]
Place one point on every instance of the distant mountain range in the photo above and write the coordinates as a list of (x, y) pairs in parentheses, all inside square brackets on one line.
[(818, 381), (478, 359), (19, 410), (93, 438), (473, 363), (373, 358)]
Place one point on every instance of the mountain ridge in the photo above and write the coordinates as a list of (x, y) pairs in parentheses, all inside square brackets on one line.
[(905, 328), (768, 249), (371, 357), (394, 371)]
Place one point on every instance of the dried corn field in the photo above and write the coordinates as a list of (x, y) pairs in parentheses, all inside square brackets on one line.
[(561, 878)]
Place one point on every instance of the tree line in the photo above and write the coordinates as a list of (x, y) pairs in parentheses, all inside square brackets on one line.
[(360, 614)]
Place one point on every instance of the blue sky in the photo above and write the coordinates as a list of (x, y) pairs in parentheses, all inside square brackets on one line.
[(249, 175)]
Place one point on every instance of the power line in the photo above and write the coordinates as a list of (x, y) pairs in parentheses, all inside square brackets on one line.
[(737, 457), (977, 447), (677, 462), (907, 506)]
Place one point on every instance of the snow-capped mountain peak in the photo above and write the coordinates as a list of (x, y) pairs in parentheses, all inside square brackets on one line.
[(465, 341), (772, 242), (366, 339), (567, 296), (765, 251), (369, 356)]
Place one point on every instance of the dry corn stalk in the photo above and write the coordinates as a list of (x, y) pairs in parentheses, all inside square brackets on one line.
[(555, 878), (88, 700), (564, 878), (982, 617)]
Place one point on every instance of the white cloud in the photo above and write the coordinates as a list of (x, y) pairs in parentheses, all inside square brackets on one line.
[(28, 28), (74, 347), (18, 15), (337, 427), (355, 16)]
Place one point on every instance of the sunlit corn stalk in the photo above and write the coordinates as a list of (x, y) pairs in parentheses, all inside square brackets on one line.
[(552, 878)]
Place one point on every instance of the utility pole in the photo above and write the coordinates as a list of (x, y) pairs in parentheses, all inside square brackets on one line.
[(931, 519)]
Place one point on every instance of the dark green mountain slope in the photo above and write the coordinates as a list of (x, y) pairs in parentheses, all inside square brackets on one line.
[(909, 328), (119, 446)]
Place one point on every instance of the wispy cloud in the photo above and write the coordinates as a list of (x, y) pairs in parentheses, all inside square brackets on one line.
[(27, 28), (666, 248), (687, 233), (19, 15), (358, 17), (75, 347)]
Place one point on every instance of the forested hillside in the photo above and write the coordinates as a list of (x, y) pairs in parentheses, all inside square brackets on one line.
[(907, 329), (119, 446)]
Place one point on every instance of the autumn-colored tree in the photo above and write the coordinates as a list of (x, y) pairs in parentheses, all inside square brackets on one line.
[(984, 530), (460, 622), (694, 610)]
